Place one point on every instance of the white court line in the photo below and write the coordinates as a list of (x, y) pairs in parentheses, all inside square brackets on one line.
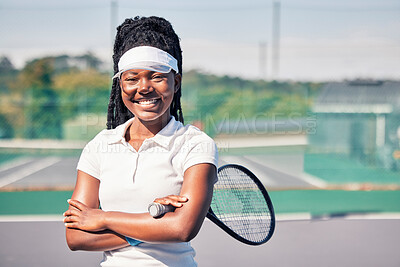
[(272, 141), (288, 217), (280, 217), (363, 216), (305, 177), (293, 216), (374, 216), (265, 179), (31, 218), (28, 170), (14, 163), (315, 181)]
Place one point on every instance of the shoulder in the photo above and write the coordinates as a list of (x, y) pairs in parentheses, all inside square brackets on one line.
[(194, 135), (197, 147), (196, 141), (107, 137)]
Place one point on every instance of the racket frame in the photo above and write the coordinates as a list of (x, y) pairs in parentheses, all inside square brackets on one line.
[(212, 217)]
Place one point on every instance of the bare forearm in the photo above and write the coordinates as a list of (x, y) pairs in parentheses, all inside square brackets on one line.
[(94, 241), (181, 225), (170, 228)]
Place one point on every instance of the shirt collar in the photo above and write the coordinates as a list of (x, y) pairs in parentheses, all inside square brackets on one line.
[(162, 138)]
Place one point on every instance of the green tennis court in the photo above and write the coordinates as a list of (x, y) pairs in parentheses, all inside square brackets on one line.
[(316, 202), (277, 164), (340, 169)]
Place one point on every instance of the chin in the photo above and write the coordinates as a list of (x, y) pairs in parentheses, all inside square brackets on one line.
[(153, 118)]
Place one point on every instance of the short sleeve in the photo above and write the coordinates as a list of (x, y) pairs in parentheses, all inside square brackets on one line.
[(89, 161), (202, 150)]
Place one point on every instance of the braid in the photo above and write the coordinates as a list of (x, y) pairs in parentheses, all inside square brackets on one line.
[(111, 107), (140, 31), (176, 109)]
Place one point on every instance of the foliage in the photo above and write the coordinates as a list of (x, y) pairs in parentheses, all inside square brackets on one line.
[(7, 74), (41, 109), (49, 91), (6, 131), (42, 115), (84, 91), (209, 97)]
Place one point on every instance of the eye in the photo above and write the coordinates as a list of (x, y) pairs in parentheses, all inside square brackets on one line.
[(131, 80), (158, 77)]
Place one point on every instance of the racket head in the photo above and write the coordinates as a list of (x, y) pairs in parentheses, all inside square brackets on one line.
[(241, 206)]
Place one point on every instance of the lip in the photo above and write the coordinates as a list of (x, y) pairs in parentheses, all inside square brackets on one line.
[(146, 101)]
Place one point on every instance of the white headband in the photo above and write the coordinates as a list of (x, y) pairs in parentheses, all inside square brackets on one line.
[(147, 58)]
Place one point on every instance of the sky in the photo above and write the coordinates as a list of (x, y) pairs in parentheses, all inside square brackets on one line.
[(319, 40)]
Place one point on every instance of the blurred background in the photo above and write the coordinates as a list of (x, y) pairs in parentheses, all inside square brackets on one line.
[(304, 93)]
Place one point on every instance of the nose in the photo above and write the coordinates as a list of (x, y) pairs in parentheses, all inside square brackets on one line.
[(144, 86)]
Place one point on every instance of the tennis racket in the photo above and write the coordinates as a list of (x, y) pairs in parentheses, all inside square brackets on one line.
[(240, 206)]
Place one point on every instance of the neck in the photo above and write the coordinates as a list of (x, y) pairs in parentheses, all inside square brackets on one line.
[(140, 129)]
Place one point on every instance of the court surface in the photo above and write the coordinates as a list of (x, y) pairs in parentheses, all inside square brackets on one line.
[(315, 243), (299, 239), (55, 172)]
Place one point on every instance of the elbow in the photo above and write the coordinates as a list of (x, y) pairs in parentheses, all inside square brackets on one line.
[(186, 227), (73, 247), (73, 244), (73, 241), (186, 237), (186, 233)]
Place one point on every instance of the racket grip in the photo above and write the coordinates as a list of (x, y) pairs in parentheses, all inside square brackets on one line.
[(157, 209)]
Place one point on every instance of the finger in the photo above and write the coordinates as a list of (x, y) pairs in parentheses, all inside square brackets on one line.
[(164, 201), (178, 198), (76, 204), (173, 200), (73, 225), (72, 212), (176, 204), (70, 219)]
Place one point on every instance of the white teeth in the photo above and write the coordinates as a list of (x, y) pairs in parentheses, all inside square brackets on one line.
[(147, 102)]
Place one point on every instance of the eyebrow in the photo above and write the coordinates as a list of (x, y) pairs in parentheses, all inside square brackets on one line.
[(132, 72)]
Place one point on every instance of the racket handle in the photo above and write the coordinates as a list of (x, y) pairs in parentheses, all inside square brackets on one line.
[(157, 209)]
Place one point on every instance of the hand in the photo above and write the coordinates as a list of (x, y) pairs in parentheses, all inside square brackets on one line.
[(174, 200), (80, 216)]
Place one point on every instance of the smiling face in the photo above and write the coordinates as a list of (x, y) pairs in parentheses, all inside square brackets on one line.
[(148, 94)]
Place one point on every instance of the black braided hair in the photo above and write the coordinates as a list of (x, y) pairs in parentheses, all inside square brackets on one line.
[(142, 31)]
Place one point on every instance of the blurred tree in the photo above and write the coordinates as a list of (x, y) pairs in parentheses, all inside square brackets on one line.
[(231, 98), (6, 129), (6, 65), (51, 90), (8, 74), (92, 62), (85, 91), (66, 63), (42, 114)]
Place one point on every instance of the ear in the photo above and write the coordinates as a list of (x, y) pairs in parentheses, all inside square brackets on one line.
[(178, 82)]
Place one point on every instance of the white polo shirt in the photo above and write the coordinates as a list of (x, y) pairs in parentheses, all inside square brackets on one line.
[(130, 180)]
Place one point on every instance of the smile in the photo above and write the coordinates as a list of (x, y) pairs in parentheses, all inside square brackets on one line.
[(147, 101)]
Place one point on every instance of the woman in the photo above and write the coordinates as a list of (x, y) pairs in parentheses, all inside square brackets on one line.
[(145, 155)]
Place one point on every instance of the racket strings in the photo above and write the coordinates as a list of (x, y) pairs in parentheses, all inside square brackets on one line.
[(239, 204)]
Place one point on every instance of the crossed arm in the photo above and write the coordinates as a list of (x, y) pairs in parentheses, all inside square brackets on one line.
[(89, 228)]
